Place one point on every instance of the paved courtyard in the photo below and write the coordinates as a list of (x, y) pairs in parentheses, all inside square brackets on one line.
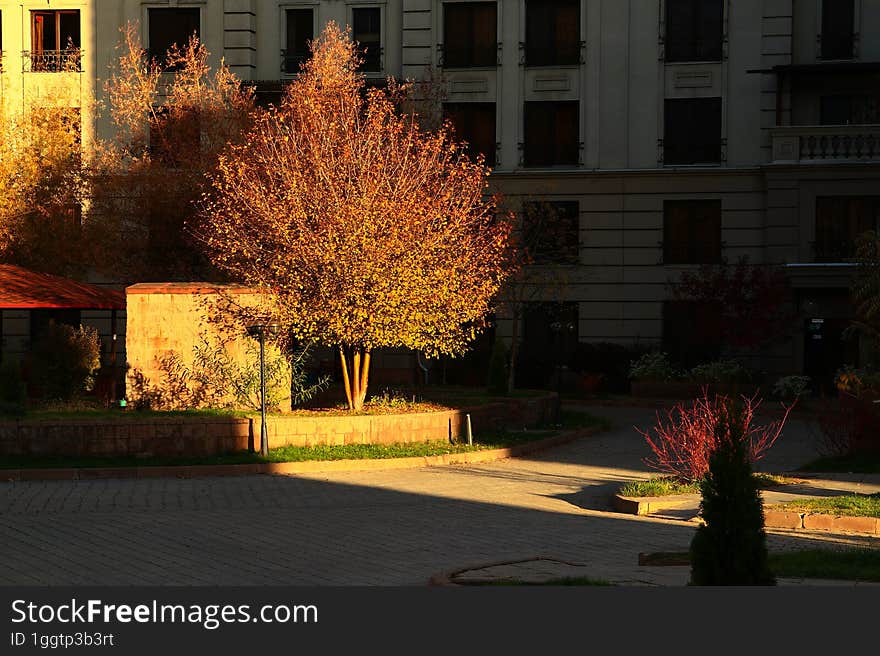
[(396, 527)]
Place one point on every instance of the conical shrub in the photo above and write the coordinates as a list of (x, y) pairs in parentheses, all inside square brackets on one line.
[(731, 548)]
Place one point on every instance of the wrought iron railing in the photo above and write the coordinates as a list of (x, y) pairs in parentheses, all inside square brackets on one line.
[(826, 142), (51, 61)]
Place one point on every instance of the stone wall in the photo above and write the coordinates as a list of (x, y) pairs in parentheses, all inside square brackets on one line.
[(204, 436)]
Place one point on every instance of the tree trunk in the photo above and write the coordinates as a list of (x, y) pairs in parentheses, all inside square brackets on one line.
[(355, 375)]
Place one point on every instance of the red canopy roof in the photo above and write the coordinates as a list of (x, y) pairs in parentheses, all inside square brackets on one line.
[(29, 290)]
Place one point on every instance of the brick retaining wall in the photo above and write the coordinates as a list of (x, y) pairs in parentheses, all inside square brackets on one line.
[(200, 436)]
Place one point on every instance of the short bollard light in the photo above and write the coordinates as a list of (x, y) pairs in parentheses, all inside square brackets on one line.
[(259, 331)]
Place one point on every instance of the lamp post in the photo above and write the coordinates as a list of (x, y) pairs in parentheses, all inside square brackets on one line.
[(259, 332)]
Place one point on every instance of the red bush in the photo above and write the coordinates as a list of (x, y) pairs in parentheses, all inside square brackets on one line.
[(684, 441)]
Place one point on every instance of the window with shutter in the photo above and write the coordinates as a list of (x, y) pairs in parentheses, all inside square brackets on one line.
[(692, 231), (552, 32), (474, 123), (470, 38), (551, 131), (692, 132), (694, 30)]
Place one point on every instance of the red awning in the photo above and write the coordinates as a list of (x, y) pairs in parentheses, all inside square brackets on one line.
[(29, 290)]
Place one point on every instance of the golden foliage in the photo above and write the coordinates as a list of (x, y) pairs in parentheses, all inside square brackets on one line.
[(171, 120), (40, 181), (368, 230)]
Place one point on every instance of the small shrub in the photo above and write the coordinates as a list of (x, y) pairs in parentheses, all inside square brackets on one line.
[(653, 366), (848, 425), (731, 548), (720, 371), (215, 379), (64, 360), (498, 370), (791, 388), (683, 443), (13, 391)]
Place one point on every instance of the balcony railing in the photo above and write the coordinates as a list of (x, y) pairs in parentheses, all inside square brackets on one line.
[(806, 143), (51, 61)]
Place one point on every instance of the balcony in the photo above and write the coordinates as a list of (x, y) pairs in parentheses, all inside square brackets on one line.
[(52, 61), (826, 143)]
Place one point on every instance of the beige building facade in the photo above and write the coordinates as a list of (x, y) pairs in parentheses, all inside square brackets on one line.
[(659, 134)]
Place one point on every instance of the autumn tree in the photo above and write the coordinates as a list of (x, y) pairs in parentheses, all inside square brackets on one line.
[(170, 118), (753, 301), (40, 187), (367, 230)]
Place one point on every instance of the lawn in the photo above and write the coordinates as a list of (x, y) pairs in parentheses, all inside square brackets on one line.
[(850, 505), (844, 564)]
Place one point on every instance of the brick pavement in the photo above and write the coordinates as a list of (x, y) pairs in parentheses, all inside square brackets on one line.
[(395, 527)]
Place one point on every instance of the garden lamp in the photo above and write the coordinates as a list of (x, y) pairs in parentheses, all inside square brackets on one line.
[(259, 331)]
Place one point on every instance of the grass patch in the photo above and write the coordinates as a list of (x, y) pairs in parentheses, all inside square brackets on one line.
[(658, 487), (571, 421), (850, 505), (844, 564), (668, 485), (856, 464)]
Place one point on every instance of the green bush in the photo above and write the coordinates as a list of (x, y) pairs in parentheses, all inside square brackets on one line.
[(720, 371), (790, 388), (653, 366), (13, 391), (498, 373), (731, 547), (64, 360)]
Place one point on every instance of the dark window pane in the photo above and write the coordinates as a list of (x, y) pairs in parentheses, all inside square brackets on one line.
[(691, 332), (300, 32), (691, 231), (470, 34), (839, 222), (838, 20), (694, 30), (171, 26), (40, 319), (475, 124), (551, 133), (552, 32), (551, 231), (366, 31), (68, 30), (692, 131)]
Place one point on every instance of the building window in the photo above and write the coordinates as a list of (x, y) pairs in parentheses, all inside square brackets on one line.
[(838, 22), (551, 134), (172, 26), (694, 30), (692, 131), (692, 232), (470, 34), (55, 41), (849, 110), (300, 27), (691, 332), (839, 222), (553, 32), (475, 124), (551, 231), (367, 33)]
